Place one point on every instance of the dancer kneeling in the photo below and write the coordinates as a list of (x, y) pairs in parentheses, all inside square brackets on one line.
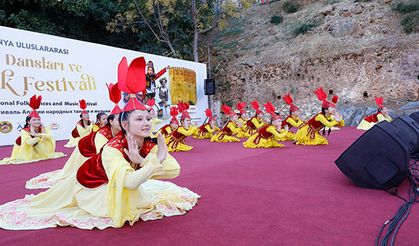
[(86, 147), (83, 127), (232, 127), (269, 134), (308, 134), (35, 142), (206, 130), (381, 115), (116, 186), (176, 140)]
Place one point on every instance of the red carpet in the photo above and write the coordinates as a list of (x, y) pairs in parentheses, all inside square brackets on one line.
[(290, 196)]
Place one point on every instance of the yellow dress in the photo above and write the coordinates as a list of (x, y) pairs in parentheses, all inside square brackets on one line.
[(176, 141), (225, 134), (367, 124), (243, 133), (165, 130), (111, 204), (267, 137), (33, 149), (82, 131), (309, 133), (95, 128), (291, 121), (49, 179), (154, 123), (205, 131)]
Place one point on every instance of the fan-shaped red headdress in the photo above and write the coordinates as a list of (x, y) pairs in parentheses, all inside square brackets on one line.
[(321, 95), (183, 109), (83, 106), (174, 112), (34, 103), (270, 108), (208, 113), (227, 110), (379, 101), (288, 100), (132, 80), (255, 106), (241, 106), (115, 97)]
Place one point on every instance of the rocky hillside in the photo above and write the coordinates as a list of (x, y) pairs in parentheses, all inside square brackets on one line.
[(355, 49)]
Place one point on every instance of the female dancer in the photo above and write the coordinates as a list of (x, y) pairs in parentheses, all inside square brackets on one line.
[(269, 134), (206, 130), (370, 120), (308, 134), (35, 142), (101, 121), (83, 126), (176, 141), (231, 128), (86, 147), (117, 185), (292, 119)]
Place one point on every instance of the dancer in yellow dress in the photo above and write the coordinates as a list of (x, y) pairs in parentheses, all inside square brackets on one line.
[(206, 130), (242, 120), (308, 134), (382, 114), (167, 129), (292, 119), (226, 134), (83, 127), (254, 123), (35, 142), (101, 121), (118, 185), (269, 134), (176, 140), (86, 147)]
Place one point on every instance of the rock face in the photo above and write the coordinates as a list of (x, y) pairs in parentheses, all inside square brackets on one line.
[(355, 50)]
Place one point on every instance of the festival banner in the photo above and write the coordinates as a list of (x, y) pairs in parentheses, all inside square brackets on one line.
[(65, 71)]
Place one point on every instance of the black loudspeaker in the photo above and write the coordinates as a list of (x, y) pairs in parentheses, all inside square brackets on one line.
[(415, 116), (408, 130), (378, 159), (209, 86)]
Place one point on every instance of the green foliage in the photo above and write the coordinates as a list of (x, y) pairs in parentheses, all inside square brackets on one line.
[(303, 28), (291, 6), (332, 1), (276, 19), (407, 7), (410, 22)]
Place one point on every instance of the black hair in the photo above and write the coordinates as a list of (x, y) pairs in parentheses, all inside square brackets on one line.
[(110, 117), (124, 117), (324, 128), (28, 118), (379, 110), (98, 115)]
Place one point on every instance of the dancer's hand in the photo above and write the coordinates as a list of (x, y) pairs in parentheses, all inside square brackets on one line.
[(132, 151), (162, 148)]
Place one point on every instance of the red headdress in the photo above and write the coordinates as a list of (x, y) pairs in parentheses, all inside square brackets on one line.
[(174, 112), (379, 101), (83, 106), (34, 103), (115, 97), (270, 108), (131, 79), (227, 110), (183, 109), (321, 95), (208, 113), (288, 100), (240, 106), (255, 106)]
